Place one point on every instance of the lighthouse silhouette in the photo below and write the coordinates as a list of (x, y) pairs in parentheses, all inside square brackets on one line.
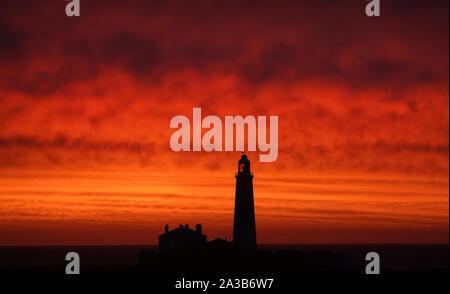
[(244, 229)]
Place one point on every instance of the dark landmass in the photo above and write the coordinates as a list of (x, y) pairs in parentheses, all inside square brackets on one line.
[(268, 259)]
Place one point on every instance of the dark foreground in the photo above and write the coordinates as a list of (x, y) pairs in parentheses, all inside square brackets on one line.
[(271, 266)]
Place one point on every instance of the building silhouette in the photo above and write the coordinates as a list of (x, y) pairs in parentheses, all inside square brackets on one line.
[(181, 238), (183, 250), (244, 229)]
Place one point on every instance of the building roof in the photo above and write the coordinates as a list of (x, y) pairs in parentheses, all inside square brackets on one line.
[(181, 230)]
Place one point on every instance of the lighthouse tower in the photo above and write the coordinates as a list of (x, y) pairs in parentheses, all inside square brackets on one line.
[(244, 229)]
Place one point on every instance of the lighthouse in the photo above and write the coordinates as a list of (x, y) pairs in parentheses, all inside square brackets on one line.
[(244, 229)]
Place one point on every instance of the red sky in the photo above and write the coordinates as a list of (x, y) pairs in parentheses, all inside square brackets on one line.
[(86, 102)]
